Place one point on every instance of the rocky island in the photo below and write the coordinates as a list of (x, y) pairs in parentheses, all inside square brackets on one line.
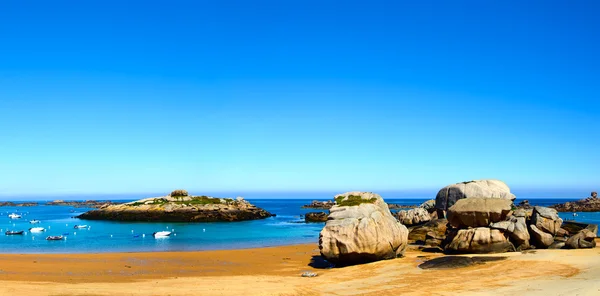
[(180, 207), (590, 204), (12, 204)]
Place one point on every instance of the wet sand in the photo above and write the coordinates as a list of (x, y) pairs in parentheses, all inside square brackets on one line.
[(276, 271)]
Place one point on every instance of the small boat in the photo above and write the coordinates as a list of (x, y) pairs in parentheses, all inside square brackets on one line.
[(34, 221), (56, 237), (162, 234), (80, 226), (14, 232), (37, 229), (14, 216)]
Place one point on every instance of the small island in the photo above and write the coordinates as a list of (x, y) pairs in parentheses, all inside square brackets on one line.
[(590, 204), (12, 204), (180, 207)]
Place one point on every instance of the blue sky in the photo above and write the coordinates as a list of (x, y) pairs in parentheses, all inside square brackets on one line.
[(246, 96)]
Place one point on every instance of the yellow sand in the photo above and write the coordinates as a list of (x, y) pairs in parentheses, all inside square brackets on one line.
[(276, 271)]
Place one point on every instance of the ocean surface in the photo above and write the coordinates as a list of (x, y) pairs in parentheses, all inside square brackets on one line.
[(286, 228)]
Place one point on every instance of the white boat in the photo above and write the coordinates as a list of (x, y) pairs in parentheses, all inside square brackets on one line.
[(162, 234), (80, 226), (34, 221), (14, 216), (37, 229), (57, 237)]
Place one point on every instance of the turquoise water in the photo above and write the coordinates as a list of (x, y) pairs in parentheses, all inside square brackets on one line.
[(105, 236)]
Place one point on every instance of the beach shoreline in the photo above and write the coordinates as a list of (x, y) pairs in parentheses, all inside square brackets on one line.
[(277, 271)]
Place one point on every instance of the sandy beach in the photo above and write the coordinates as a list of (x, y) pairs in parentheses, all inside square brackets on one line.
[(276, 271)]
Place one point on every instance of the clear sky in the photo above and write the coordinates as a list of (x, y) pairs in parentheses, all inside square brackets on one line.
[(240, 96)]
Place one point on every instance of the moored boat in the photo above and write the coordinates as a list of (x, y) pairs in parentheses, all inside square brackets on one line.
[(55, 237), (161, 234), (80, 226), (20, 232), (34, 221), (37, 229), (14, 216)]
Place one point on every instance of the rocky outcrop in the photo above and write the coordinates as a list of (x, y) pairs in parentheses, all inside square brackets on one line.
[(359, 229), (449, 195), (326, 205), (546, 219), (413, 216), (544, 226), (524, 204), (575, 227), (429, 206), (12, 204), (315, 217), (585, 239), (320, 205), (436, 229), (180, 209), (540, 238), (478, 240), (516, 228), (399, 207), (82, 204), (27, 204), (590, 204), (478, 212)]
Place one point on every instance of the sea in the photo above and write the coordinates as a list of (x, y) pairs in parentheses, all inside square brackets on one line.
[(287, 228)]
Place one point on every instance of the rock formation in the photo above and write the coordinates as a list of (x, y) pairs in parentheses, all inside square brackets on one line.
[(180, 209), (590, 204), (546, 219), (516, 227), (434, 228), (478, 212), (319, 205), (359, 229), (429, 205), (315, 217), (398, 206), (544, 225), (584, 239), (413, 216), (479, 240), (524, 205), (448, 195), (327, 204)]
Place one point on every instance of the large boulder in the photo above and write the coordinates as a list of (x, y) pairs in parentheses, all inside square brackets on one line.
[(419, 233), (546, 219), (584, 239), (540, 238), (315, 217), (428, 205), (413, 216), (478, 212), (360, 229), (448, 195), (575, 227), (479, 240), (516, 228)]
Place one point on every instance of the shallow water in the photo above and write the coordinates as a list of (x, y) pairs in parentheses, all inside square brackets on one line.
[(105, 236)]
